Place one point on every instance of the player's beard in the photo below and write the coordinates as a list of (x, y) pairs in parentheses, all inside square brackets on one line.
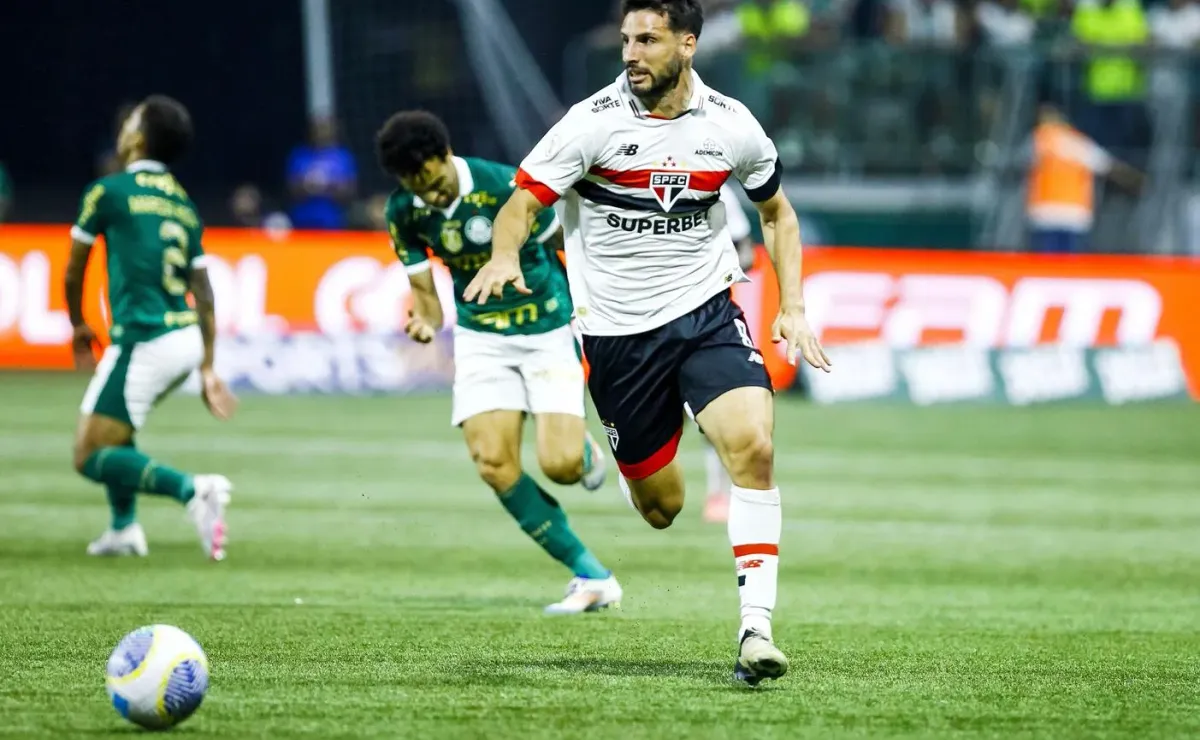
[(661, 85)]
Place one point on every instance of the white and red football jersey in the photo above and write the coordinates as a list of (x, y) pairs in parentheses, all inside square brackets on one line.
[(645, 230)]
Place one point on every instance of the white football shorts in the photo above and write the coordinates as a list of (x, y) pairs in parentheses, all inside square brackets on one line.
[(534, 373)]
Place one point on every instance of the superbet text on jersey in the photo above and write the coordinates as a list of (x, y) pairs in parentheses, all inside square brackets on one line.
[(645, 229)]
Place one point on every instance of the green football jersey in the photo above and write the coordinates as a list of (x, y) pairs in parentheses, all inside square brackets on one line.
[(152, 238), (461, 236)]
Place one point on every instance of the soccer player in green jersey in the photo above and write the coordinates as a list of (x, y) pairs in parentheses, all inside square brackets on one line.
[(515, 357), (154, 259)]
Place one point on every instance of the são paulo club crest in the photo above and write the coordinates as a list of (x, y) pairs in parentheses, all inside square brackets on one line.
[(668, 186)]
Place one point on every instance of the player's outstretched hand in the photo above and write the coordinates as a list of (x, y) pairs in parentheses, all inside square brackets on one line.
[(83, 343), (792, 327), (418, 329), (489, 282), (217, 397)]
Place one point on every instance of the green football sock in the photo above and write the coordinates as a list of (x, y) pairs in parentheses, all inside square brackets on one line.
[(543, 519), (122, 502), (128, 469)]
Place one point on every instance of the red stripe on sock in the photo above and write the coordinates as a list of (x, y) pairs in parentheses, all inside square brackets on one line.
[(656, 462), (758, 548)]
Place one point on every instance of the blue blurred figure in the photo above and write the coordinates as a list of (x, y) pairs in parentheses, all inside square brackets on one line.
[(322, 178)]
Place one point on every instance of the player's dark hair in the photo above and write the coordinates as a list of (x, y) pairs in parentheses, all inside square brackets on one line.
[(683, 16), (167, 128), (408, 140)]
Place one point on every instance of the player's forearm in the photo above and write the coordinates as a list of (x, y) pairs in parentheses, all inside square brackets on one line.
[(206, 315), (73, 282), (781, 236), (426, 304), (513, 225), (429, 308), (74, 290)]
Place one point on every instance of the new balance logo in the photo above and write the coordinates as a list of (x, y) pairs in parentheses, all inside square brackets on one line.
[(747, 564), (628, 149), (755, 357)]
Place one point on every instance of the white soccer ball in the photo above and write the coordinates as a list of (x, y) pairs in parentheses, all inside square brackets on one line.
[(157, 676)]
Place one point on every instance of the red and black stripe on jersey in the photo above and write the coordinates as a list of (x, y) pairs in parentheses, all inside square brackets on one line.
[(709, 181)]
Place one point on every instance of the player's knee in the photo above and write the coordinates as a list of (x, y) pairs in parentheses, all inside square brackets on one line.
[(499, 471), (662, 514), (562, 467), (659, 508), (752, 458), (80, 457), (84, 449)]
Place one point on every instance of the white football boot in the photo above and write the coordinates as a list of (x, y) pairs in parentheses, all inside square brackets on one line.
[(128, 541), (594, 479), (588, 595), (758, 658), (207, 512)]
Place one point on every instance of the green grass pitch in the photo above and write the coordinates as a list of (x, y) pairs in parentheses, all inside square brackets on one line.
[(947, 573)]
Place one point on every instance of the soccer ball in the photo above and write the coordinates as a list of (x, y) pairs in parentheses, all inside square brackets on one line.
[(157, 676)]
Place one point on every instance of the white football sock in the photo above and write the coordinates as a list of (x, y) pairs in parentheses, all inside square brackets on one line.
[(755, 524), (718, 480)]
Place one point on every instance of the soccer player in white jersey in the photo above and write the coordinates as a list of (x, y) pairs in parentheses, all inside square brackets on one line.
[(638, 166)]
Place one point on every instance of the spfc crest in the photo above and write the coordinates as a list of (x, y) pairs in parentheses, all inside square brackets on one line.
[(614, 437), (668, 186)]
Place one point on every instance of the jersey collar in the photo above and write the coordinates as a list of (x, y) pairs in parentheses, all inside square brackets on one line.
[(699, 92), (146, 165), (466, 184)]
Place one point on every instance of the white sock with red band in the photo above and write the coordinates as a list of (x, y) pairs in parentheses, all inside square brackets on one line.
[(755, 525)]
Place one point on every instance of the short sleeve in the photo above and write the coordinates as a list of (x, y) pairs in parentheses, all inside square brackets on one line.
[(560, 159), (735, 215), (756, 164), (92, 217), (414, 257)]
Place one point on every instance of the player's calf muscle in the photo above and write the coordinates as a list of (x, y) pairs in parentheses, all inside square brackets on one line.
[(739, 424), (750, 456)]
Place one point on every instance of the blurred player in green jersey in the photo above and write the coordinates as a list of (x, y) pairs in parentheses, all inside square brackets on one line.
[(515, 356), (154, 259)]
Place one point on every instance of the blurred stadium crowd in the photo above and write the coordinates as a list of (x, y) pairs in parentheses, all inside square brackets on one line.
[(858, 89)]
